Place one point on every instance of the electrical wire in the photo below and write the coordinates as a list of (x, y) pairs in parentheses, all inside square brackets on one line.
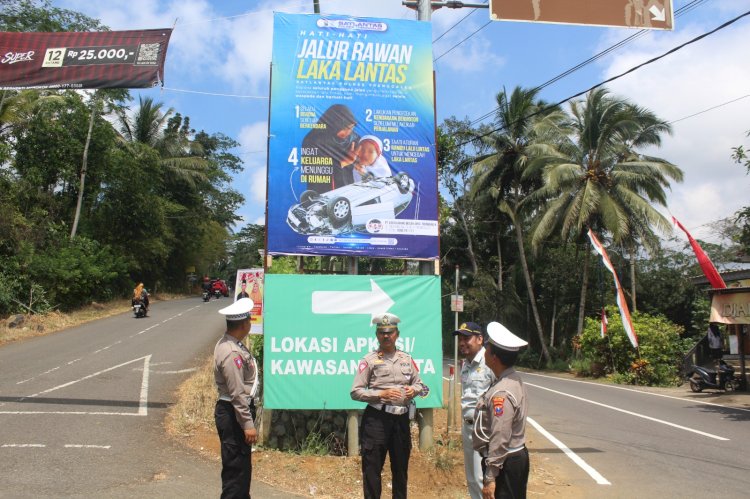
[(613, 78), (683, 10), (462, 41), (456, 24)]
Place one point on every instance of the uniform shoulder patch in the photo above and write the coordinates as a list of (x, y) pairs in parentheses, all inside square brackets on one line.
[(497, 405), (238, 362), (362, 365)]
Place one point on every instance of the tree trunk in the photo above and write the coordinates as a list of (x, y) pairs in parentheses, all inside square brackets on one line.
[(584, 288), (499, 262), (632, 278), (470, 246), (530, 290), (84, 165), (552, 325)]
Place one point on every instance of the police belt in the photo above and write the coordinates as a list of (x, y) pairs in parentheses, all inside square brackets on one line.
[(227, 398), (398, 410)]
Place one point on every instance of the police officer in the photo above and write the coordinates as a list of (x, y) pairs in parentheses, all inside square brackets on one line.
[(236, 376), (387, 379), (500, 419), (476, 378)]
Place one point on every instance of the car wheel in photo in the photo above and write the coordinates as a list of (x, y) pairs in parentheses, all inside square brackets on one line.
[(339, 211)]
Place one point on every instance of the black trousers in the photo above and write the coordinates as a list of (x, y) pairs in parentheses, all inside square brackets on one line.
[(381, 433), (236, 457), (513, 478)]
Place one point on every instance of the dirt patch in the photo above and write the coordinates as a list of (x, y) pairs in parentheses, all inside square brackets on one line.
[(438, 472), (52, 322)]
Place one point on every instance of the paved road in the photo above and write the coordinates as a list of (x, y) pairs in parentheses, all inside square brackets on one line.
[(643, 443), (82, 410)]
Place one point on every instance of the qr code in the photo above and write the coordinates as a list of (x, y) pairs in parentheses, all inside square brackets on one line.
[(148, 54)]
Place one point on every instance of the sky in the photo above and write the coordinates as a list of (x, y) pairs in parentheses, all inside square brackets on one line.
[(218, 62)]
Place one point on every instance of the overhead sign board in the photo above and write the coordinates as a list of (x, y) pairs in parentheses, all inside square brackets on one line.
[(98, 59), (317, 328), (650, 14), (352, 163)]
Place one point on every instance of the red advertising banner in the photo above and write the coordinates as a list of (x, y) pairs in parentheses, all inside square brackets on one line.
[(101, 59)]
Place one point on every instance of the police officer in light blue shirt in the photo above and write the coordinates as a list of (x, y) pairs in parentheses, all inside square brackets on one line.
[(476, 378)]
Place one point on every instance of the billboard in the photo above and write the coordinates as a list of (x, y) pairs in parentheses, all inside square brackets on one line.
[(249, 284), (311, 355), (352, 162), (101, 59)]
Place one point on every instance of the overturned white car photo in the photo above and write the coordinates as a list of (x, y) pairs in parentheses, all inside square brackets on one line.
[(352, 206)]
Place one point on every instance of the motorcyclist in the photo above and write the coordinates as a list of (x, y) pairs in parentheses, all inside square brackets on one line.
[(140, 295), (217, 288), (206, 284)]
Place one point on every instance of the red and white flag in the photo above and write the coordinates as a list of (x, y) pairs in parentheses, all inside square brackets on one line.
[(604, 323), (621, 304), (705, 262)]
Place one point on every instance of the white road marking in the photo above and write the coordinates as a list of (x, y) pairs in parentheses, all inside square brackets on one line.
[(84, 446), (598, 478), (22, 445), (64, 385), (181, 371), (142, 403), (624, 411), (143, 406), (682, 399)]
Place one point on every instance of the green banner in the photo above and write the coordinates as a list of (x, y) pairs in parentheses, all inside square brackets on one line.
[(317, 328)]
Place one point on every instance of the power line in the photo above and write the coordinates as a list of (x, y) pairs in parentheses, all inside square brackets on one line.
[(710, 108), (690, 6), (462, 41), (616, 77), (456, 24)]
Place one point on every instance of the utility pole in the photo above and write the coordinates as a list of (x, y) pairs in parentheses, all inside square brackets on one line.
[(316, 6)]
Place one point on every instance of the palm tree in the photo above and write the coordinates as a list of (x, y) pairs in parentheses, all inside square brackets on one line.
[(505, 174), (150, 126), (596, 178)]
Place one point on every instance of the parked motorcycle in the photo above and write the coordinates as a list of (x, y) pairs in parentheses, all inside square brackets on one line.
[(703, 377), (206, 295), (139, 309)]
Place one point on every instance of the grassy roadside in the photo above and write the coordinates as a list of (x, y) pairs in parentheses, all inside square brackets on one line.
[(53, 322)]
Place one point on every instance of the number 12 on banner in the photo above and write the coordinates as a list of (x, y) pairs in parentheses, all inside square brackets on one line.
[(53, 58)]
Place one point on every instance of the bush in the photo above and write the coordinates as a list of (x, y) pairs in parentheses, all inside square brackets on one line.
[(657, 361)]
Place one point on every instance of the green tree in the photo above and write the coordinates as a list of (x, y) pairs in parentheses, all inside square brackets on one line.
[(505, 174), (595, 178)]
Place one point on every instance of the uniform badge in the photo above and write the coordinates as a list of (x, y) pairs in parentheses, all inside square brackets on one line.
[(497, 405), (238, 362), (362, 366), (425, 391)]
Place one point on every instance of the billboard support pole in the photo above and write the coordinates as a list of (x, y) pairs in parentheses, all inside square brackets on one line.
[(425, 419), (352, 417)]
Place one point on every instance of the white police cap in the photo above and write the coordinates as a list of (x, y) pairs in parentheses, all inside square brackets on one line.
[(238, 310), (499, 336), (386, 321)]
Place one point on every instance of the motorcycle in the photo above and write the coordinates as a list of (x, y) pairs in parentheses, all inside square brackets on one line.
[(139, 309), (217, 293), (206, 295), (705, 377)]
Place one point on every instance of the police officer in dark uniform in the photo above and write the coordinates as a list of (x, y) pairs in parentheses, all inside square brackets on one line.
[(500, 419), (236, 377), (387, 379)]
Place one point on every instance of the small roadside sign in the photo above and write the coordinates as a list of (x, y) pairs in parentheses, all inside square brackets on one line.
[(457, 303)]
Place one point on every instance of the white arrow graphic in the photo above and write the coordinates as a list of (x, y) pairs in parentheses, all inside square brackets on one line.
[(373, 302), (659, 14)]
